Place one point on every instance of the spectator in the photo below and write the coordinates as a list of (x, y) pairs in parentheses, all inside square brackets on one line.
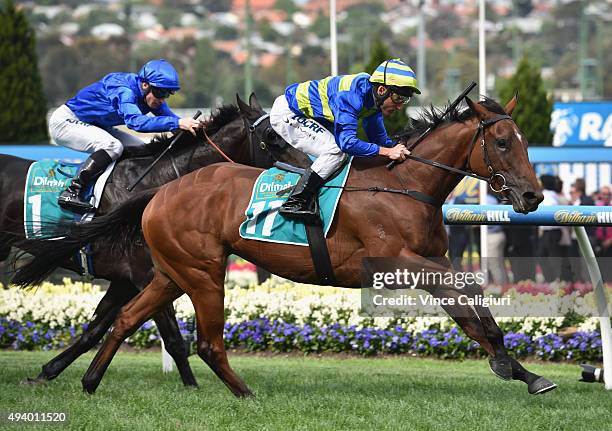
[(604, 236), (549, 247), (458, 238), (496, 243), (521, 241), (566, 235), (578, 196)]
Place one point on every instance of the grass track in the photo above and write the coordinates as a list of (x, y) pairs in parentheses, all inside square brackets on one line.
[(296, 393)]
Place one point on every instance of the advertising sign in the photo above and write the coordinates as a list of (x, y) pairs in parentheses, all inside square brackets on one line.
[(582, 124)]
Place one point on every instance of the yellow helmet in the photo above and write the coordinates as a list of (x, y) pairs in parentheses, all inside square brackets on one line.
[(396, 75)]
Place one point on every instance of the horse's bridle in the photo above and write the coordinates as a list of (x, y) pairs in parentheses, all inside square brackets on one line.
[(482, 125)]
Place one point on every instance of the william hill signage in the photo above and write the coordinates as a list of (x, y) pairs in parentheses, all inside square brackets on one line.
[(544, 216), (463, 216)]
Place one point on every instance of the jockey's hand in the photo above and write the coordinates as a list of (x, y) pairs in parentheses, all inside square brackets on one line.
[(399, 152), (190, 125)]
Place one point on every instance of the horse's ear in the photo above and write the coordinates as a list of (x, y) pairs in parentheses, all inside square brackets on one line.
[(255, 103), (244, 108), (511, 104), (475, 107)]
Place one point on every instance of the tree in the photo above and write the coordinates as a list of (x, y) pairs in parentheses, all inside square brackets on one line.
[(216, 5), (523, 7), (67, 69), (24, 109), (532, 113), (287, 6), (203, 79), (169, 17), (399, 120)]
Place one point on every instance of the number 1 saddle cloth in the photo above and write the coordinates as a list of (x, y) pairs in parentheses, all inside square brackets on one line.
[(45, 180)]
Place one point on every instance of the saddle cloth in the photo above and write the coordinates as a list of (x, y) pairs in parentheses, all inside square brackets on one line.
[(45, 180), (263, 222)]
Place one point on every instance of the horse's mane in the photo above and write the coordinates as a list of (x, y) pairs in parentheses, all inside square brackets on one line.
[(222, 116), (431, 117)]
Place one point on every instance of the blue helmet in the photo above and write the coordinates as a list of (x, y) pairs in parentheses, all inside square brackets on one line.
[(160, 74)]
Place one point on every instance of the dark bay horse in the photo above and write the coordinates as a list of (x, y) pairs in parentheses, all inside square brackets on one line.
[(191, 226), (127, 274)]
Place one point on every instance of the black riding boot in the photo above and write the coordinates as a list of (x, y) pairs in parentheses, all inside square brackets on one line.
[(302, 204), (71, 199)]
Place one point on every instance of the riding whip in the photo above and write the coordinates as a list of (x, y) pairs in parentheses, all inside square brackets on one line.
[(176, 138), (450, 108)]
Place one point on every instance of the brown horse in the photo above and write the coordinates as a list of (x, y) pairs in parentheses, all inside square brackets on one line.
[(191, 226)]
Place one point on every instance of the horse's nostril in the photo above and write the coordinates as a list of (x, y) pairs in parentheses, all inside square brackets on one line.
[(531, 197)]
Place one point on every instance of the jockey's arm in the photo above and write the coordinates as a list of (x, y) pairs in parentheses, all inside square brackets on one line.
[(345, 130), (124, 101), (374, 127)]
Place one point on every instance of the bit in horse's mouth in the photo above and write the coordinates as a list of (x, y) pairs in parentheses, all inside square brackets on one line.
[(517, 203)]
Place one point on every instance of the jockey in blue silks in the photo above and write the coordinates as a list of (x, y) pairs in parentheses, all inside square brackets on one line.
[(86, 122), (321, 119)]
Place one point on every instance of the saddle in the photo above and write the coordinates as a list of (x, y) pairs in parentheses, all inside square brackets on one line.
[(264, 143)]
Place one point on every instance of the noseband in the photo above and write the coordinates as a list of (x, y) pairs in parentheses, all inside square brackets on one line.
[(482, 125)]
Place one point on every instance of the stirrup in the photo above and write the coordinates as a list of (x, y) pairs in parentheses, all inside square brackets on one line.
[(71, 202), (301, 214)]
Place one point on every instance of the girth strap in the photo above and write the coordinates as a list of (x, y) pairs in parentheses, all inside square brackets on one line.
[(319, 253)]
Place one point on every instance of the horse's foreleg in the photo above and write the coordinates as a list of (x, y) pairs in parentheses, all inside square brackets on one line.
[(160, 292), (174, 344), (465, 315), (536, 384), (208, 303), (106, 311)]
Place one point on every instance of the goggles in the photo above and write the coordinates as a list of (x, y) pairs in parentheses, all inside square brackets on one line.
[(398, 99), (161, 93)]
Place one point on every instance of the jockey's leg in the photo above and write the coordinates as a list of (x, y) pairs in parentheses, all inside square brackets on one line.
[(67, 130), (312, 138), (71, 199), (133, 143)]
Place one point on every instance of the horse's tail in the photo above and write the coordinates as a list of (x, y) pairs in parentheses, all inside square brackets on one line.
[(117, 231)]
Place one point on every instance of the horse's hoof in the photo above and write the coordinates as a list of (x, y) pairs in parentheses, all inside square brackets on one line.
[(34, 381), (540, 386), (502, 368), (244, 393), (89, 388)]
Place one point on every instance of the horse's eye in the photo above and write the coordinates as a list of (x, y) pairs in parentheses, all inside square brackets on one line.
[(502, 143)]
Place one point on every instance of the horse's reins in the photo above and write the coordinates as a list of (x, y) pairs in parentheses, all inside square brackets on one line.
[(423, 197), (219, 150), (482, 125)]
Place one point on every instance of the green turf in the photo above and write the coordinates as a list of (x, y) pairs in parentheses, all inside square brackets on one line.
[(307, 393)]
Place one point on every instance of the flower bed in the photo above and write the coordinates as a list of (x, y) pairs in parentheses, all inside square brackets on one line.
[(282, 316)]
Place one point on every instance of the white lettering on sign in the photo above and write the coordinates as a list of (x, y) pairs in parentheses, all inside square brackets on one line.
[(273, 187), (604, 217), (498, 215), (606, 132), (592, 126), (43, 181), (589, 126)]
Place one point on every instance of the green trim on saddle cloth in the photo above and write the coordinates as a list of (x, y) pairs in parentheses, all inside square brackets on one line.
[(45, 181), (263, 222)]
